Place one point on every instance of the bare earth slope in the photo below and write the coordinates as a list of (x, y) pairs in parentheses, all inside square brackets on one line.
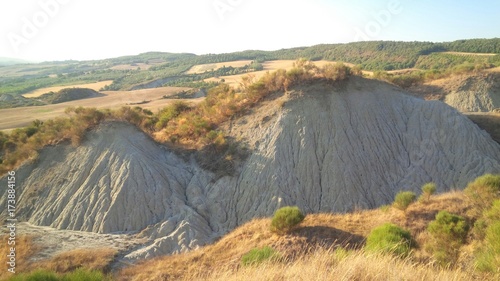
[(324, 148), (479, 93), (468, 93)]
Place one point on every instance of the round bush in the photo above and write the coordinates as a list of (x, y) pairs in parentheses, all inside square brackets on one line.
[(286, 218), (403, 199), (449, 226), (390, 238)]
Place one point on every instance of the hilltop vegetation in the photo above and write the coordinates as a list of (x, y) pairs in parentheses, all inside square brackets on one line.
[(179, 124)]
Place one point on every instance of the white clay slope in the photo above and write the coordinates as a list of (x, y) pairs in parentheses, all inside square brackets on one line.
[(327, 149), (480, 93)]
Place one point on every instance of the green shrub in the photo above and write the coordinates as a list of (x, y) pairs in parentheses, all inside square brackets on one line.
[(77, 275), (490, 216), (84, 275), (449, 226), (390, 238), (403, 199), (488, 257), (38, 275), (483, 191), (479, 229), (448, 232), (493, 214), (427, 190), (258, 255), (286, 218), (170, 112), (335, 72)]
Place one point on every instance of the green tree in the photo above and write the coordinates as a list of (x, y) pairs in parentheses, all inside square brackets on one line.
[(428, 189)]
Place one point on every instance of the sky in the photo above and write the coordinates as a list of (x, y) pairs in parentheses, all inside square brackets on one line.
[(43, 30)]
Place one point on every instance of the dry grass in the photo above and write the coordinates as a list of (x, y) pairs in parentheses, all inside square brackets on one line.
[(93, 259), (200, 68), (24, 248), (308, 251), (325, 264), (94, 86)]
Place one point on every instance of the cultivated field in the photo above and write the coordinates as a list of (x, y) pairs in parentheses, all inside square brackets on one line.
[(94, 86), (23, 116), (200, 68), (469, 54)]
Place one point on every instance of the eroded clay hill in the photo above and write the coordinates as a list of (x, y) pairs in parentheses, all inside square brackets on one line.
[(468, 93), (324, 148)]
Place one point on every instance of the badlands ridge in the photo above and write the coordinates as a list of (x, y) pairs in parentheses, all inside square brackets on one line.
[(323, 147)]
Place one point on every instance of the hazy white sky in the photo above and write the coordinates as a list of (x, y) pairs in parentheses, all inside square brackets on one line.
[(94, 29)]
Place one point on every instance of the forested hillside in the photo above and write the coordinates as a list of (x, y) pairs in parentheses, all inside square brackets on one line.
[(130, 71)]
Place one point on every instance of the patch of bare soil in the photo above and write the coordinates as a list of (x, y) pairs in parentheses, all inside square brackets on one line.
[(438, 89), (52, 241)]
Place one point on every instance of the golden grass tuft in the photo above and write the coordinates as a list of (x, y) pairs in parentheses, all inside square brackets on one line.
[(92, 259), (24, 247)]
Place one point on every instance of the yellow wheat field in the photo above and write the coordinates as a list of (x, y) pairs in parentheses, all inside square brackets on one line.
[(200, 68)]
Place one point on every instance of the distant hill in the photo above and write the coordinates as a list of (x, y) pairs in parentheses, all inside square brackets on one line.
[(65, 95), (161, 66), (68, 94), (371, 55), (11, 61), (10, 101)]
